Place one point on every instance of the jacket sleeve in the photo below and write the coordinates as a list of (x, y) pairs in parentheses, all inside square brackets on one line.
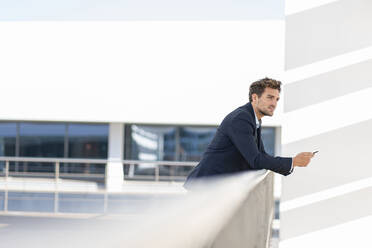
[(263, 148), (241, 131)]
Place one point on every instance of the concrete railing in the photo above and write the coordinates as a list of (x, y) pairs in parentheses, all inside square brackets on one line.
[(234, 211)]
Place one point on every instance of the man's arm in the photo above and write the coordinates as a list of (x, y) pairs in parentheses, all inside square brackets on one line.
[(241, 132), (263, 149)]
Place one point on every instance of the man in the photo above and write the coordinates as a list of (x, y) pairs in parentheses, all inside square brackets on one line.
[(237, 144)]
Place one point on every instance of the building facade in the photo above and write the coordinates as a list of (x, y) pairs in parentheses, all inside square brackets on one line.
[(132, 90)]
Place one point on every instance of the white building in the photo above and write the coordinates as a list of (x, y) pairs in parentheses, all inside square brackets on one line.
[(142, 83)]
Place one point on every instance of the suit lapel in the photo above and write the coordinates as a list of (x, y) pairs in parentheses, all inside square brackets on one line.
[(257, 132), (259, 139)]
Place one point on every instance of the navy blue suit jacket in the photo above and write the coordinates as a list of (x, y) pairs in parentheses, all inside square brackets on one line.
[(237, 146)]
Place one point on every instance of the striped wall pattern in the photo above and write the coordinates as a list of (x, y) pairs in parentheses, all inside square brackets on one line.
[(328, 107)]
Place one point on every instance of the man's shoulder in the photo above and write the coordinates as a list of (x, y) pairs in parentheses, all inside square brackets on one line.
[(242, 112)]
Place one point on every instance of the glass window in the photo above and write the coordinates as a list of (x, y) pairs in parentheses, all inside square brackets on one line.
[(177, 143), (150, 143), (53, 140), (165, 143), (42, 139), (8, 134), (173, 143), (87, 140), (268, 138), (194, 141)]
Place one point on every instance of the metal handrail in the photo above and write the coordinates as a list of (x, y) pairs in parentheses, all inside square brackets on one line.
[(96, 161), (170, 163), (57, 162), (58, 174), (54, 160)]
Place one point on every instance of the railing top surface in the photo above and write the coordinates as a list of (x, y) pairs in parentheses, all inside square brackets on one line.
[(210, 208)]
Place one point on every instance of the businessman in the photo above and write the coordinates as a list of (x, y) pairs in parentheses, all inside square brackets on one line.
[(237, 145)]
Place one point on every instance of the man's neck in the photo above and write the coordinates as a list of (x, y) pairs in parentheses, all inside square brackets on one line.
[(258, 121), (257, 113)]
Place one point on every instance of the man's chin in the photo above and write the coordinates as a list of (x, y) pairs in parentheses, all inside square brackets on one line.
[(269, 114)]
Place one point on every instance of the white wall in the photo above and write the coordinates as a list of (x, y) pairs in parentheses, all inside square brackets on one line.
[(328, 108), (191, 72)]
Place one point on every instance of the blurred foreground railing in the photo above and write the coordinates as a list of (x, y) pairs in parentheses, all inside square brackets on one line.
[(234, 211)]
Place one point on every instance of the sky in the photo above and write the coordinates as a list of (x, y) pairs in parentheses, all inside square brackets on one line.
[(112, 10)]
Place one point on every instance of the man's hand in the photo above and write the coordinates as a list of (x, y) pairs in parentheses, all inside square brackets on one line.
[(302, 159)]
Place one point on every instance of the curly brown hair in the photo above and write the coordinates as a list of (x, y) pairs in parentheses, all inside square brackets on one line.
[(259, 86)]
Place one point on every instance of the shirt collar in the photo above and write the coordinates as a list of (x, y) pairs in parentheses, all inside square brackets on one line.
[(258, 122)]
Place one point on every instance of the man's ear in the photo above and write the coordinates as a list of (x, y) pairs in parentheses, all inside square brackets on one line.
[(254, 97)]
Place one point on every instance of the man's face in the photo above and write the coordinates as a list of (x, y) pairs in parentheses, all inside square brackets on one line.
[(266, 104)]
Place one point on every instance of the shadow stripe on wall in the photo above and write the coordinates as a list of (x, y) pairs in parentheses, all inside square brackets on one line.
[(312, 35), (326, 213), (327, 86)]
